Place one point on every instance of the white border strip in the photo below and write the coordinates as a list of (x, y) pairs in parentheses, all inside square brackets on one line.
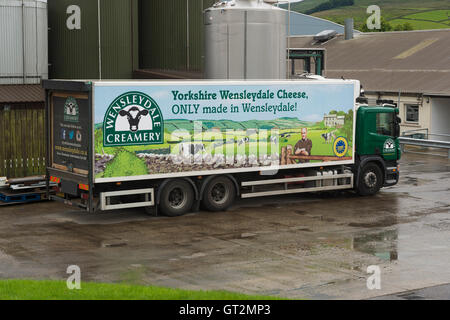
[(302, 190), (314, 178), (220, 171), (104, 195)]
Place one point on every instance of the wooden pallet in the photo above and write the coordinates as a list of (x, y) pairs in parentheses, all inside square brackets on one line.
[(9, 198)]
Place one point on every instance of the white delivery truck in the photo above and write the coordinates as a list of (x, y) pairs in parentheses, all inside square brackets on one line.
[(176, 145)]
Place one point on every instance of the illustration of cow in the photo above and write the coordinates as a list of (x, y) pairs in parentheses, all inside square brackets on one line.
[(71, 108), (133, 115), (389, 145), (191, 148), (274, 139), (243, 140), (328, 137)]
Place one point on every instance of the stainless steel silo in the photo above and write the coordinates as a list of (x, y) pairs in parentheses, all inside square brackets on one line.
[(23, 38), (245, 39)]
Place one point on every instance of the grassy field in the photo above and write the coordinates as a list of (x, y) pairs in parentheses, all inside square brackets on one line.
[(320, 147), (125, 164), (57, 290), (420, 25), (436, 15), (430, 14)]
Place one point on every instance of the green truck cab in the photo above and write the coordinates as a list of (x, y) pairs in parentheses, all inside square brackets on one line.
[(377, 148)]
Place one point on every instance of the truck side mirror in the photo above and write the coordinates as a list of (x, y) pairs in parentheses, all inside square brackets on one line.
[(397, 126)]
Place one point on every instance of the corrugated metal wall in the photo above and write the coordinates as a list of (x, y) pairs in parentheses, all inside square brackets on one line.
[(119, 33), (74, 53), (23, 39), (22, 133), (171, 34)]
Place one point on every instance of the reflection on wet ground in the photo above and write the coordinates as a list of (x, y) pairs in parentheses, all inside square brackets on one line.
[(381, 244), (297, 246)]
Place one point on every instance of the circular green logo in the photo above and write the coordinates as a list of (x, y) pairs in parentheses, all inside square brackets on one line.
[(133, 118)]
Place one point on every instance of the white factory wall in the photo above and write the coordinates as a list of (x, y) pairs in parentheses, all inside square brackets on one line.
[(440, 117)]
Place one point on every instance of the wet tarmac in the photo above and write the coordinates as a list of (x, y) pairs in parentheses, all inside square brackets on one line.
[(298, 246)]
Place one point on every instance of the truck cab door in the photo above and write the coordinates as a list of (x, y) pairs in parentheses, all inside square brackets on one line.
[(385, 134)]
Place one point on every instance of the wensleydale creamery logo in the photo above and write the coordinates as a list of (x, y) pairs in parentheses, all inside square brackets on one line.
[(133, 119), (389, 146), (71, 110)]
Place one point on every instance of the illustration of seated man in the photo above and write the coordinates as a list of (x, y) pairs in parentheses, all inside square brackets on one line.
[(303, 147)]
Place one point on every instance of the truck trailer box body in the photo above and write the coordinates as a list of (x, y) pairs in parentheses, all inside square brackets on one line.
[(113, 132)]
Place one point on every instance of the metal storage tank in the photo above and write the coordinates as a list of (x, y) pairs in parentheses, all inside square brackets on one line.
[(245, 39), (93, 39), (23, 37), (171, 34)]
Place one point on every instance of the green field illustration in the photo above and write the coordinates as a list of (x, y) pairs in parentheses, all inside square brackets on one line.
[(225, 144)]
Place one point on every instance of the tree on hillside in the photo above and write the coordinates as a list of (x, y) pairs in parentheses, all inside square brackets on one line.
[(404, 27), (385, 26)]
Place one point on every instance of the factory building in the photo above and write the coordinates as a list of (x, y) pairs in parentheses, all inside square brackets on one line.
[(411, 68)]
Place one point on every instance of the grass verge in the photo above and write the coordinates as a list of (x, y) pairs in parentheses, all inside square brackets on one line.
[(57, 290)]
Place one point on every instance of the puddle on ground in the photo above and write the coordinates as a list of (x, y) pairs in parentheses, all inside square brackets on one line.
[(385, 222), (381, 244)]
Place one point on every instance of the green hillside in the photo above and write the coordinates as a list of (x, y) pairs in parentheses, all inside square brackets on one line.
[(183, 124), (420, 14)]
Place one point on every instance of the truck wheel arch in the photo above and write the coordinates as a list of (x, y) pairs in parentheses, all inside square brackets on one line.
[(364, 161), (209, 178), (166, 181)]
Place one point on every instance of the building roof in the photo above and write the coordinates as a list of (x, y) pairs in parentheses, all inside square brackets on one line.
[(21, 93), (406, 61)]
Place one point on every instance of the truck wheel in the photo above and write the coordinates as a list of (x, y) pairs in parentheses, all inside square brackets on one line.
[(370, 180), (177, 198), (219, 194)]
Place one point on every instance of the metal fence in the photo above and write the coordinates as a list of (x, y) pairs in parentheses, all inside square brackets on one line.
[(423, 138)]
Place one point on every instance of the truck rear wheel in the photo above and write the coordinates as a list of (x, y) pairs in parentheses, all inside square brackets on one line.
[(219, 194), (177, 198), (370, 180)]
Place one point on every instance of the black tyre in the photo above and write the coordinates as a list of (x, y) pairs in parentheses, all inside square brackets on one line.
[(177, 198), (219, 194), (370, 180)]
